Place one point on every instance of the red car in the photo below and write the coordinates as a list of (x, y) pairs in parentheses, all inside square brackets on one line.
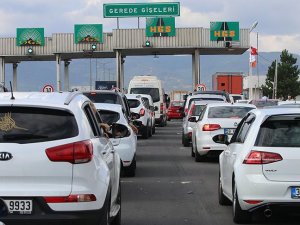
[(175, 110)]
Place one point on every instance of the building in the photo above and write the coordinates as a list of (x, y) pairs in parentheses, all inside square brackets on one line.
[(252, 86)]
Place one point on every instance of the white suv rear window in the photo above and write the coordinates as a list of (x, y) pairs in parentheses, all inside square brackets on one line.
[(31, 124)]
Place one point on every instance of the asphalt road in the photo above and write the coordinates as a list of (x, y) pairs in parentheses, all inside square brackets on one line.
[(170, 188)]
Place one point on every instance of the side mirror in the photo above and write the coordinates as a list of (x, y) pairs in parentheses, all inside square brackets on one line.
[(192, 119), (221, 139), (135, 116), (185, 97), (119, 130), (155, 108)]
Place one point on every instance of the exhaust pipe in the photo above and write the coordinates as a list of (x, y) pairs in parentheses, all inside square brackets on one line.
[(268, 212)]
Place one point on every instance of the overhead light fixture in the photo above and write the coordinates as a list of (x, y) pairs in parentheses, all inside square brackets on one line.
[(147, 43), (30, 51), (94, 47)]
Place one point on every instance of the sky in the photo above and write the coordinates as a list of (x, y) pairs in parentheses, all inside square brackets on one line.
[(277, 27)]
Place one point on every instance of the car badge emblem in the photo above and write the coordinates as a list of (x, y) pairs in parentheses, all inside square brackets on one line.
[(235, 124), (5, 156)]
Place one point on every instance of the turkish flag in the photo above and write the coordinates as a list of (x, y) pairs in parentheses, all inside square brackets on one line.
[(253, 51)]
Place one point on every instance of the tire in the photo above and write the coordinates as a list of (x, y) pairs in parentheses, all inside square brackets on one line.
[(192, 151), (117, 219), (145, 133), (150, 131), (153, 129), (185, 141), (198, 157), (223, 200), (130, 170), (239, 216)]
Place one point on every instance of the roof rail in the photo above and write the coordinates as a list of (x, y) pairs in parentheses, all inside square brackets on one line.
[(71, 96)]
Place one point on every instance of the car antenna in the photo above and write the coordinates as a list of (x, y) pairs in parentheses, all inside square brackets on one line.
[(11, 91)]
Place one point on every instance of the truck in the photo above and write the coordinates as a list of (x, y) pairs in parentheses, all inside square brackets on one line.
[(177, 95), (231, 82), (151, 85)]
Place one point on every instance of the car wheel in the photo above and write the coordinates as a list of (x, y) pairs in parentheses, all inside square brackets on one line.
[(192, 151), (186, 142), (239, 215), (117, 219), (130, 170), (153, 129), (145, 133), (150, 131), (198, 157), (223, 200)]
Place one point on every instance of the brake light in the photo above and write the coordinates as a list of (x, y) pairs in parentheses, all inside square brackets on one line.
[(258, 157), (253, 202), (142, 112), (192, 110), (93, 93), (161, 108), (75, 153), (190, 134), (71, 198), (210, 127)]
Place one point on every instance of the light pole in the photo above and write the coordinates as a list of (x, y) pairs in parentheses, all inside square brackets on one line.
[(250, 68)]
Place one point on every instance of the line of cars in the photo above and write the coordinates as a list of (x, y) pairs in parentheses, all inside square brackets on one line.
[(258, 151)]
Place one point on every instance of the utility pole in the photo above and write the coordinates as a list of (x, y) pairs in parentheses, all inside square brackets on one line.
[(275, 82)]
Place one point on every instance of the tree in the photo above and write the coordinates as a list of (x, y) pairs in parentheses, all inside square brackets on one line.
[(287, 77)]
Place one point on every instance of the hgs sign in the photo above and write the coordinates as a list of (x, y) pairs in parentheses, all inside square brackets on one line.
[(224, 31), (160, 27)]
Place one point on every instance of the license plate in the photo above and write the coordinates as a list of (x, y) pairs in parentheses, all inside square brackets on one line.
[(19, 206), (295, 193), (229, 131)]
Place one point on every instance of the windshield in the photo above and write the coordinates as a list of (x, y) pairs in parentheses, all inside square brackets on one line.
[(154, 92), (228, 112), (29, 125), (281, 132), (176, 104), (133, 103), (111, 98), (109, 117)]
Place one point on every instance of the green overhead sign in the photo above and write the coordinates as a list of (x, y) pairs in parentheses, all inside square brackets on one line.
[(160, 27), (30, 36), (224, 31), (154, 9), (88, 33)]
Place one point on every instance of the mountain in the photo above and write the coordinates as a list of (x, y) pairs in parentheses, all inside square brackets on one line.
[(174, 71)]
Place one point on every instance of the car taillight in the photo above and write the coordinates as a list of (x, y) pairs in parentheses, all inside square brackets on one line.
[(142, 112), (210, 127), (192, 110), (71, 198), (161, 108), (259, 157), (75, 153)]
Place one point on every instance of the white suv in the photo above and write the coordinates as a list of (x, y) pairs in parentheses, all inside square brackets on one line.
[(138, 105), (56, 165)]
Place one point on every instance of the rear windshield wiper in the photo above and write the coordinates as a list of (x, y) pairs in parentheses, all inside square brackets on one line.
[(22, 136)]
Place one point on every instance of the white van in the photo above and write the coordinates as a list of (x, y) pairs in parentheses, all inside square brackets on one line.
[(150, 85)]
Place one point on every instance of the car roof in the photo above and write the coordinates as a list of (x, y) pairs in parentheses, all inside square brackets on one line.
[(203, 102), (207, 96), (133, 96), (109, 107), (213, 104), (52, 99), (104, 92), (275, 111)]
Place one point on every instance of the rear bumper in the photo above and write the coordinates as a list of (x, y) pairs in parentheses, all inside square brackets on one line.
[(43, 214), (174, 115)]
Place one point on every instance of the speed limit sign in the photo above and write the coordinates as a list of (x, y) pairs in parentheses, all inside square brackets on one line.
[(48, 88), (201, 87)]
